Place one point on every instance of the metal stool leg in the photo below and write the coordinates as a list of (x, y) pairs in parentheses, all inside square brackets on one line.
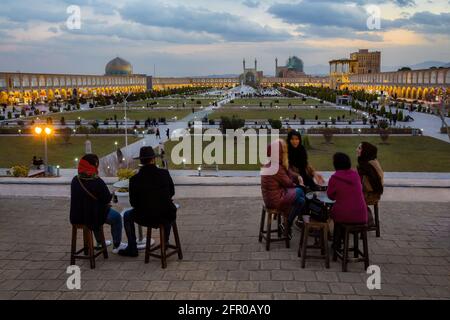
[(345, 253), (177, 240), (268, 231), (148, 244), (261, 225), (74, 246), (366, 250), (325, 241), (377, 220), (162, 239), (305, 244)]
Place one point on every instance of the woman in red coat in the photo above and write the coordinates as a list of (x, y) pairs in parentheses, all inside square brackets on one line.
[(281, 189)]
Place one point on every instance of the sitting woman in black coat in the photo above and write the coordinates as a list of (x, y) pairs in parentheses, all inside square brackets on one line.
[(298, 162), (90, 201)]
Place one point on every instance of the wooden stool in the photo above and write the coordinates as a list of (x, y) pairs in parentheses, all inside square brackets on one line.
[(322, 227), (162, 245), (376, 227), (88, 245), (272, 214), (358, 256)]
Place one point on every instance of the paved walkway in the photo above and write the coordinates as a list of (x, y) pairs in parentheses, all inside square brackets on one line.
[(222, 257)]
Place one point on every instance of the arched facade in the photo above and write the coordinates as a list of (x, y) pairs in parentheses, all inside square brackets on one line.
[(412, 84), (24, 87)]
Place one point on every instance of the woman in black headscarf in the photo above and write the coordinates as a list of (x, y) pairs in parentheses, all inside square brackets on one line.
[(298, 161)]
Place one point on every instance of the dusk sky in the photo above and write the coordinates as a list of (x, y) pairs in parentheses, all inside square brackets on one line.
[(203, 37)]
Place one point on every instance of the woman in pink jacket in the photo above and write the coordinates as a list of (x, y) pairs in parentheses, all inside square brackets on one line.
[(281, 189), (345, 188)]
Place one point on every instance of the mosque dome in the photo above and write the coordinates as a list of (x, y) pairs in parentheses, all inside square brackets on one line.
[(295, 63), (118, 66)]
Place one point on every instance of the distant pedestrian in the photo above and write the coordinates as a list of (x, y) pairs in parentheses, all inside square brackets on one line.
[(158, 135), (168, 133)]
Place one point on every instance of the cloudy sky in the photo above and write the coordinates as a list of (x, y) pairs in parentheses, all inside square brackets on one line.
[(203, 37)]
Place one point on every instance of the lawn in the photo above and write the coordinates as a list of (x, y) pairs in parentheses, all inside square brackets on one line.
[(163, 103), (266, 102), (272, 113), (401, 154), (102, 114), (20, 150)]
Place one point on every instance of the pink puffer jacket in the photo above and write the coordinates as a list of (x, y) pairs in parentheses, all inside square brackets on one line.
[(345, 187)]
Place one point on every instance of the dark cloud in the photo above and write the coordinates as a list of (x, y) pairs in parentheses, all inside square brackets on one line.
[(251, 3), (229, 27), (324, 18), (423, 22), (313, 31), (321, 13), (138, 32)]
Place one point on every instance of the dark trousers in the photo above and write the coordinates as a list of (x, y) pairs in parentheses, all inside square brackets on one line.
[(129, 218)]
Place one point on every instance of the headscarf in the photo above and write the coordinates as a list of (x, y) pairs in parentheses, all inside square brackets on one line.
[(368, 166), (283, 153), (88, 166)]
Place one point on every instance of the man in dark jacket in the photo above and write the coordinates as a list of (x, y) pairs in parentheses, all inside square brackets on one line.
[(151, 191)]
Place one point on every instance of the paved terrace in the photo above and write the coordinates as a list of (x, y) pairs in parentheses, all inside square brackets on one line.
[(222, 257)]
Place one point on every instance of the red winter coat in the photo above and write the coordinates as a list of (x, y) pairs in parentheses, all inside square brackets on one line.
[(278, 190), (345, 187)]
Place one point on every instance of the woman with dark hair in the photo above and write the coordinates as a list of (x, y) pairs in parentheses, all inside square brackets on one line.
[(90, 201), (371, 173), (345, 188), (298, 161)]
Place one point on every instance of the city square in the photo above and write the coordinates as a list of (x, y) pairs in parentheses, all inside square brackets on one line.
[(208, 126)]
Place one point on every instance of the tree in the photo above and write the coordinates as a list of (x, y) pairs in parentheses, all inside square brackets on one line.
[(275, 124)]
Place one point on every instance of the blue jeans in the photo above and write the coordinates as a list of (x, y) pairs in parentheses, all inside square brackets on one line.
[(297, 206), (114, 219), (129, 218)]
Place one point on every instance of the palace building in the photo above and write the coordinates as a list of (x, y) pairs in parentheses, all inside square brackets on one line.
[(362, 72)]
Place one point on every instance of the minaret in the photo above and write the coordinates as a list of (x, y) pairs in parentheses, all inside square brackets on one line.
[(276, 66), (256, 65), (243, 62)]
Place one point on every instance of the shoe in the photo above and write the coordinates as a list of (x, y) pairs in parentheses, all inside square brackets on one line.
[(120, 247), (99, 245), (128, 252), (287, 232), (299, 224)]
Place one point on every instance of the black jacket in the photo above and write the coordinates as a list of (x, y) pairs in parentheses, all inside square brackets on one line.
[(83, 208), (151, 192)]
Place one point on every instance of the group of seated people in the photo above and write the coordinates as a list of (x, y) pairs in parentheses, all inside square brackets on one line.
[(150, 192), (352, 190)]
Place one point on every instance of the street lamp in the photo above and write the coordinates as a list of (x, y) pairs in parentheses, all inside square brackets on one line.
[(46, 132), (125, 110)]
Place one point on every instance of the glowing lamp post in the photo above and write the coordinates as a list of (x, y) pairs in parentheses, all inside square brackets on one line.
[(47, 131)]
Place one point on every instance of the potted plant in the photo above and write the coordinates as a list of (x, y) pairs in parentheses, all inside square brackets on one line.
[(122, 192)]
